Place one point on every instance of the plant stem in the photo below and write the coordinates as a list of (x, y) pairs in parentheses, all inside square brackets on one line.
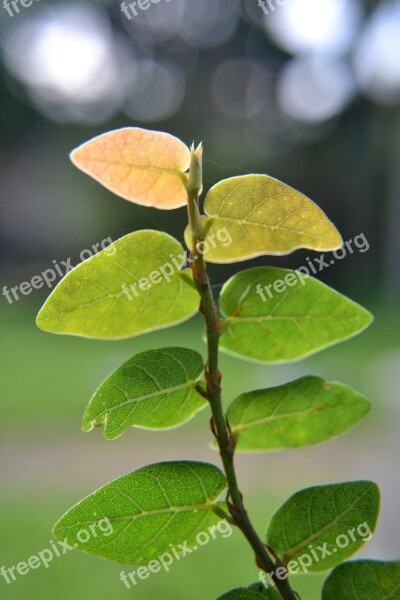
[(220, 427)]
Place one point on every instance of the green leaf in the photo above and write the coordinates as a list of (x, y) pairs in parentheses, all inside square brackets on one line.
[(150, 511), (154, 390), (364, 580), (263, 216), (305, 317), (255, 592), (306, 411), (121, 291), (335, 518)]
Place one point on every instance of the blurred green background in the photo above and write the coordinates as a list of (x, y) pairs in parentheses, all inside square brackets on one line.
[(308, 93)]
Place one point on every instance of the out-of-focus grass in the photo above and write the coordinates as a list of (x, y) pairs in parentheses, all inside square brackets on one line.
[(221, 565), (47, 381)]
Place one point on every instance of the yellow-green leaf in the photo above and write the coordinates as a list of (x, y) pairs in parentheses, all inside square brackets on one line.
[(303, 317), (263, 216), (144, 167), (131, 287)]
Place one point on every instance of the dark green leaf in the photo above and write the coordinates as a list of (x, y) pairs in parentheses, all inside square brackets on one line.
[(149, 511), (338, 518), (364, 580), (154, 390), (306, 411)]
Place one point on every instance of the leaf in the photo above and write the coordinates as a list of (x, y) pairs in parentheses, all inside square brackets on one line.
[(338, 518), (150, 511), (254, 592), (364, 580), (263, 216), (144, 167), (154, 390), (306, 411), (303, 318), (111, 296)]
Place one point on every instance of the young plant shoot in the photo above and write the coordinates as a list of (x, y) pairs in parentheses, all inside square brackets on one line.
[(150, 282)]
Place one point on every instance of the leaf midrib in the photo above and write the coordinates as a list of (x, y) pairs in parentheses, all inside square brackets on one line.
[(161, 170), (244, 222), (160, 511), (183, 386), (245, 426), (293, 551), (294, 318), (105, 298)]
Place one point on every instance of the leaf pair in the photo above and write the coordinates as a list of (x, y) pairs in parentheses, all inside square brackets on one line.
[(142, 286), (318, 528), (158, 389), (263, 215), (166, 504)]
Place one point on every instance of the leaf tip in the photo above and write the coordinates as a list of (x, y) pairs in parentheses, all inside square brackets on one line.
[(72, 155), (87, 425), (337, 238), (40, 318), (76, 155), (57, 527)]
